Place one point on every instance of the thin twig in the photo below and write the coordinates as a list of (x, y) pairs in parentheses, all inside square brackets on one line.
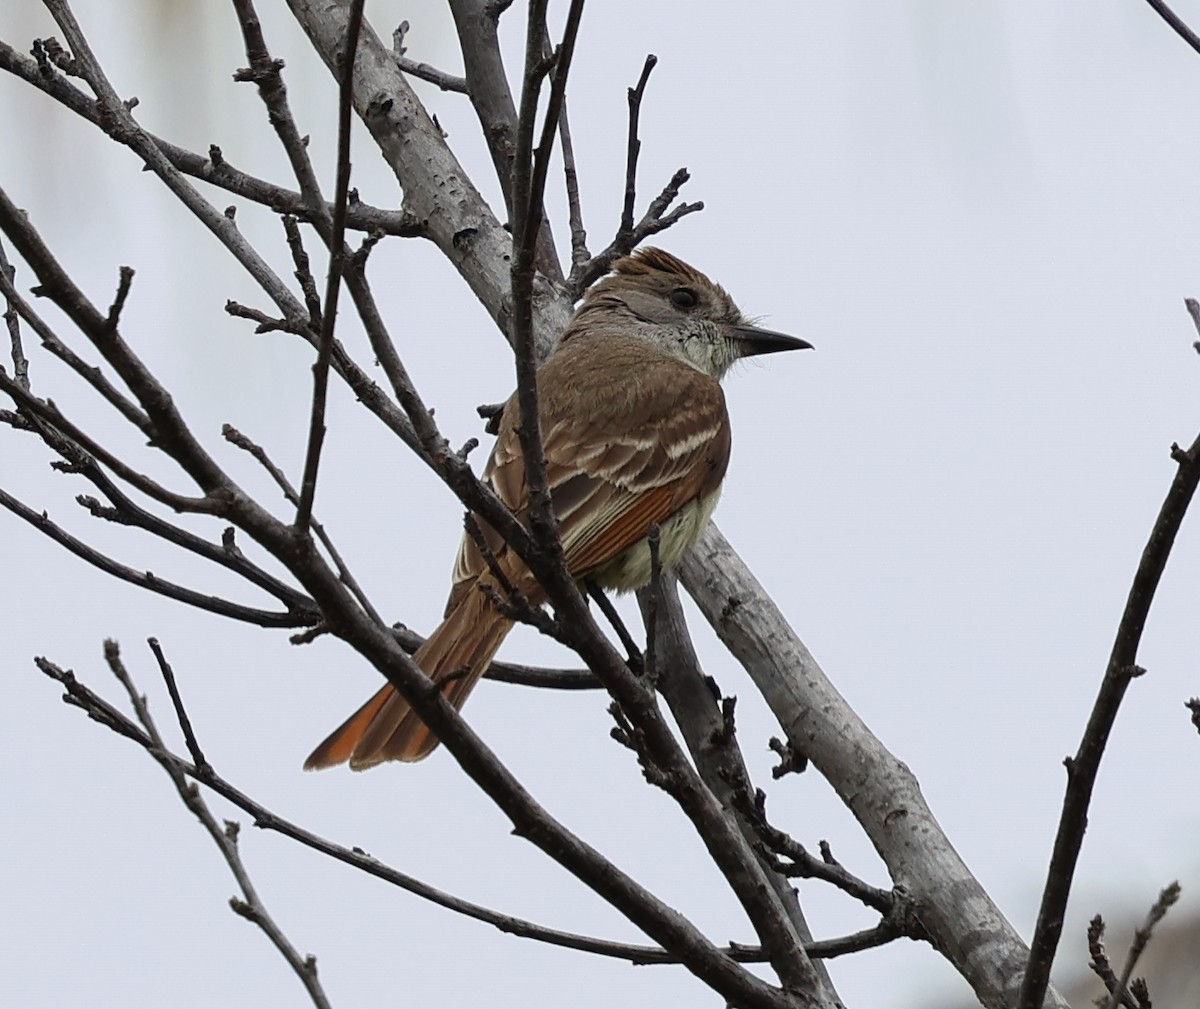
[(528, 181), (491, 98), (1083, 767), (113, 116), (633, 148), (185, 723), (656, 218), (606, 607), (432, 75), (423, 71), (1193, 309), (12, 320), (214, 169), (1141, 938), (507, 598), (1101, 966), (250, 906), (171, 434), (1177, 24), (801, 863), (316, 428), (653, 601), (124, 286), (19, 307), (124, 511), (147, 579), (98, 709), (235, 437), (303, 271), (579, 249), (46, 411)]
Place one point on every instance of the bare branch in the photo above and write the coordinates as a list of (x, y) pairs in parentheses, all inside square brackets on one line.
[(652, 222), (536, 676), (579, 249), (12, 320), (19, 307), (115, 119), (201, 765), (124, 511), (266, 72), (1177, 24), (99, 710), (876, 787), (634, 654), (423, 71), (1141, 939), (303, 271), (753, 991), (528, 183), (1082, 769), (214, 169), (508, 599), (235, 437), (691, 697), (487, 87), (802, 864), (464, 229), (250, 906), (584, 273), (633, 148), (47, 412), (653, 600), (148, 580)]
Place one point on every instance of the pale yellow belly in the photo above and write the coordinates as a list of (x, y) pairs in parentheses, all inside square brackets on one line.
[(631, 568)]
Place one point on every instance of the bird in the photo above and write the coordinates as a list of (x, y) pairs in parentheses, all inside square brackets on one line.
[(636, 435)]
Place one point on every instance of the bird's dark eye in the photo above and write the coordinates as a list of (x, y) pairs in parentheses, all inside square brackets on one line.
[(684, 297)]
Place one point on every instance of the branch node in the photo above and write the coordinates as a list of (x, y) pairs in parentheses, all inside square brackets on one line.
[(791, 760), (114, 311), (1193, 705), (491, 413)]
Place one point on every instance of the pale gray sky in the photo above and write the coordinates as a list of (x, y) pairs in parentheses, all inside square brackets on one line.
[(985, 217)]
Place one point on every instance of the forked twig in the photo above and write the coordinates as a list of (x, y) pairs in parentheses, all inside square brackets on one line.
[(235, 437), (629, 235), (1141, 939), (249, 905), (99, 710)]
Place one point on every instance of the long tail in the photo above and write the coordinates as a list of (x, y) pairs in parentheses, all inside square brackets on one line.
[(386, 728)]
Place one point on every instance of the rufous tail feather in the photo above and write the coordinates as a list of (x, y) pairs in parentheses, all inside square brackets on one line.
[(385, 728)]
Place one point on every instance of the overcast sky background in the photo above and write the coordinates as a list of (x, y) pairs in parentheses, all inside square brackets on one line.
[(986, 218)]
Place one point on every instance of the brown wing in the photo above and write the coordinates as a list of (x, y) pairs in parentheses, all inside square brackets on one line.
[(631, 435)]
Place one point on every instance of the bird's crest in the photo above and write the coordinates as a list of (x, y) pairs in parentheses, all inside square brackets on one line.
[(649, 261)]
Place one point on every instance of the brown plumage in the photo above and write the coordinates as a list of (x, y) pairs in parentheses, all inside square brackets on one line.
[(636, 434)]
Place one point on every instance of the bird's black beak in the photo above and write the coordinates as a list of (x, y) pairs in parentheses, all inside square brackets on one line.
[(765, 341)]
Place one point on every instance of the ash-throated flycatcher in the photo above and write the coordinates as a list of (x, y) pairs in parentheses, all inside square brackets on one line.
[(636, 434)]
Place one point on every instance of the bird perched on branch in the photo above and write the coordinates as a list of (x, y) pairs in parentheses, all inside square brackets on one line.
[(636, 434)]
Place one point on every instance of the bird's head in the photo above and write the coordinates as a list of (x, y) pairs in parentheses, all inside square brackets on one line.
[(656, 297)]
